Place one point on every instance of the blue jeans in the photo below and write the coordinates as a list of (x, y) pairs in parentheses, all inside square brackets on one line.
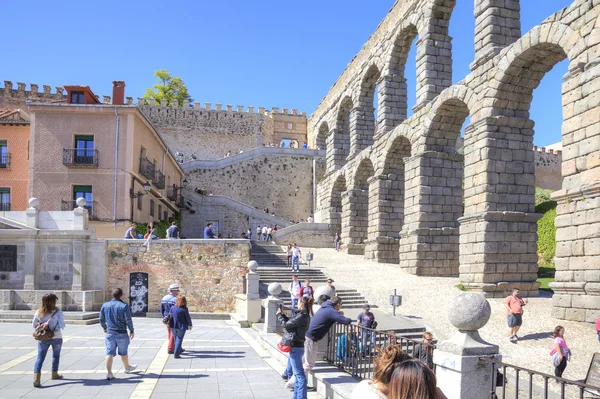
[(56, 344), (179, 333), (295, 358), (114, 341), (296, 262), (288, 370), (365, 338)]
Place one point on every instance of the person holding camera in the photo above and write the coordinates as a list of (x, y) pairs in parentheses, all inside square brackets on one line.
[(297, 327)]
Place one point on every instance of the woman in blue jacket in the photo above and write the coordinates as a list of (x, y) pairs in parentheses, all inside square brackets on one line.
[(181, 322)]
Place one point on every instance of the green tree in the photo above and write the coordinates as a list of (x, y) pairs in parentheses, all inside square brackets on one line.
[(168, 88)]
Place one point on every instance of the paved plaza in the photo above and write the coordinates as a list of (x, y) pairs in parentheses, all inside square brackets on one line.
[(221, 361)]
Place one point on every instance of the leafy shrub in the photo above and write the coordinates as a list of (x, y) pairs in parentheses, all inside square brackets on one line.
[(160, 227), (547, 231)]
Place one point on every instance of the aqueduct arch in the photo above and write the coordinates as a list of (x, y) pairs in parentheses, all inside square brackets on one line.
[(408, 179)]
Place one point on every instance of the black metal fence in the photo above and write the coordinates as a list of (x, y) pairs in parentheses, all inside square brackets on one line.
[(80, 157), (5, 161), (510, 381), (4, 206), (147, 168), (69, 205), (173, 193)]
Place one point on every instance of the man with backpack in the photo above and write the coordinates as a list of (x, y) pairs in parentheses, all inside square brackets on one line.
[(294, 289)]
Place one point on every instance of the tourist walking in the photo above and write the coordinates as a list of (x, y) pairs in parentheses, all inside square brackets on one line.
[(130, 233), (249, 233), (294, 290), (166, 303), (269, 233), (173, 231), (208, 231), (296, 254), (307, 290), (330, 285), (289, 256), (297, 327), (424, 350), (338, 241), (181, 322), (115, 319), (412, 379), (366, 319), (258, 230), (383, 368), (51, 322), (560, 351), (264, 233), (514, 313)]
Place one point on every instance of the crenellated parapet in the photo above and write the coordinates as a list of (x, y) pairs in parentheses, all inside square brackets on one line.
[(197, 106), (17, 97)]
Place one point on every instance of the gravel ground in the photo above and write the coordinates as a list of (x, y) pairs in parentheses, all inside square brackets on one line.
[(425, 299)]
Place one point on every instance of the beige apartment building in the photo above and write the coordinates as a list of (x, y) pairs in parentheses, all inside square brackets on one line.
[(109, 154)]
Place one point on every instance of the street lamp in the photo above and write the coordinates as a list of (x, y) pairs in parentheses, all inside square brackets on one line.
[(147, 188), (296, 190)]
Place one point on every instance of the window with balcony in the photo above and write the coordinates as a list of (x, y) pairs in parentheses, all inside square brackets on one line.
[(83, 153), (4, 199), (4, 155), (152, 208), (80, 192), (77, 97)]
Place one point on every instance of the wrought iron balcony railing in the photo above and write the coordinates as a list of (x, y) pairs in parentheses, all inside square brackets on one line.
[(80, 157), (159, 179), (4, 206), (147, 168), (69, 205), (173, 193), (5, 161)]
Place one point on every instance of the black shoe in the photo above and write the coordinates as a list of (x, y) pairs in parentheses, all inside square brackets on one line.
[(284, 377), (177, 357), (311, 389), (182, 350), (170, 352)]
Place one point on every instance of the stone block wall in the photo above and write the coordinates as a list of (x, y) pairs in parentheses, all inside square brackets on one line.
[(56, 266), (210, 272)]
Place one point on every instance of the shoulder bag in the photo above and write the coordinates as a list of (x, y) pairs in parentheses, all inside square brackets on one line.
[(168, 319), (286, 342), (43, 332)]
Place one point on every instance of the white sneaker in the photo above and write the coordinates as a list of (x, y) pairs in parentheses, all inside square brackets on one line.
[(110, 376), (130, 369)]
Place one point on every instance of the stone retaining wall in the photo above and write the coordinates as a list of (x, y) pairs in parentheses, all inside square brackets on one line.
[(210, 272)]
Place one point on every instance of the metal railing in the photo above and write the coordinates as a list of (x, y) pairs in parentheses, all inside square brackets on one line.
[(147, 168), (159, 179), (518, 382), (80, 157), (4, 206), (5, 161), (69, 205), (173, 193)]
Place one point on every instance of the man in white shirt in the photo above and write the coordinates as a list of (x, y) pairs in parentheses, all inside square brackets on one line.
[(269, 231), (296, 253), (294, 289), (264, 233)]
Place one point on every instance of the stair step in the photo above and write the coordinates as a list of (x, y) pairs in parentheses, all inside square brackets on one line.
[(27, 315)]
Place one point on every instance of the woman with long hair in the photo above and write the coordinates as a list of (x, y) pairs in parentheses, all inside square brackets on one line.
[(560, 350), (383, 369), (412, 379), (48, 312), (297, 326), (182, 322)]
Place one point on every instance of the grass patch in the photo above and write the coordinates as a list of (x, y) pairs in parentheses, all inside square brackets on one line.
[(545, 276), (461, 287)]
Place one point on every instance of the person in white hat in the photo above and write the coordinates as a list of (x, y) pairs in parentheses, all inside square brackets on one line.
[(165, 307)]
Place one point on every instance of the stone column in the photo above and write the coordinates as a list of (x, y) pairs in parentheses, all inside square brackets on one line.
[(362, 128), (338, 147), (429, 240), (79, 265), (30, 265), (460, 372), (354, 220), (382, 243), (271, 304), (253, 313), (498, 240), (392, 102), (497, 25)]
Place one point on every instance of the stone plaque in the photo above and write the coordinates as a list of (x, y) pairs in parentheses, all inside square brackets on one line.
[(8, 258), (138, 293)]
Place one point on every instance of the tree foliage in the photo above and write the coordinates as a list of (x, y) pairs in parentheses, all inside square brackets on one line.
[(547, 231), (168, 88)]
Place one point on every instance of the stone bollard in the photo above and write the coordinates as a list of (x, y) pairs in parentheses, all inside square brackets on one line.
[(80, 221), (33, 213), (271, 304), (253, 312), (460, 372)]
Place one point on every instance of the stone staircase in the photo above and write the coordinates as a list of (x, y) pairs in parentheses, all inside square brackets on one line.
[(272, 261), (26, 316)]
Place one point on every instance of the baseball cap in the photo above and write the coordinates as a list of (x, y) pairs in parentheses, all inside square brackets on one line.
[(366, 306), (174, 287)]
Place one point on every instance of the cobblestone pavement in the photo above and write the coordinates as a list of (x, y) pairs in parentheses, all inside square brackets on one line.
[(221, 361), (425, 299)]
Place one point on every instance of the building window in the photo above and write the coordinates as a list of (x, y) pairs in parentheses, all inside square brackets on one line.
[(83, 192), (4, 154), (159, 211), (8, 258), (140, 200), (152, 208), (166, 215), (4, 199), (76, 97), (84, 150)]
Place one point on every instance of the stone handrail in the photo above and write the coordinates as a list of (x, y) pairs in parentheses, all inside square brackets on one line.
[(251, 154), (235, 205), (300, 227)]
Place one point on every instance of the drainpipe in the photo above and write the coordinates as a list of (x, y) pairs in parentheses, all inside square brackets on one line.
[(116, 166)]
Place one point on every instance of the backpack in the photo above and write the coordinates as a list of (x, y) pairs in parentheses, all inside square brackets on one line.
[(43, 332)]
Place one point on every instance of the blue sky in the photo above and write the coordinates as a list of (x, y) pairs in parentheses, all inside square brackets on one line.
[(267, 53)]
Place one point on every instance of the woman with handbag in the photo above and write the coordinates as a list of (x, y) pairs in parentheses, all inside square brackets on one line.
[(560, 352), (295, 335), (48, 323)]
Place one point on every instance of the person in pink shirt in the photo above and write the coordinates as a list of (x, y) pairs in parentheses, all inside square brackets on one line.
[(560, 348), (514, 313), (598, 327)]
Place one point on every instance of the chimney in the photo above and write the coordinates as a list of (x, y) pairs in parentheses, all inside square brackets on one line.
[(118, 92)]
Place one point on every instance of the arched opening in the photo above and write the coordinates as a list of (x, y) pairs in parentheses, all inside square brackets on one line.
[(363, 124), (356, 209), (335, 204), (395, 93), (341, 139), (321, 141)]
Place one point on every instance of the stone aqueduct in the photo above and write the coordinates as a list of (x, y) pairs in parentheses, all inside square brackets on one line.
[(394, 186)]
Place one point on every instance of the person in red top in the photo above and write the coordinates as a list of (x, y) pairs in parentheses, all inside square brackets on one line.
[(307, 290), (598, 327), (514, 313)]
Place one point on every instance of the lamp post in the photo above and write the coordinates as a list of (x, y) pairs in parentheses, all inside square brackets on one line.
[(147, 188)]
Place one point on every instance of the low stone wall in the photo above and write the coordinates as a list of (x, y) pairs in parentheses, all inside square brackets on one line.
[(309, 239), (86, 301), (209, 272)]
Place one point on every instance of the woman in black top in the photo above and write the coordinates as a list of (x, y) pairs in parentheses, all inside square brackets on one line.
[(297, 326)]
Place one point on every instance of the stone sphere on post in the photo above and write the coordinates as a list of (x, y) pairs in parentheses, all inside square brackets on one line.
[(252, 266), (34, 202), (275, 289), (469, 312), (81, 202), (323, 290)]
